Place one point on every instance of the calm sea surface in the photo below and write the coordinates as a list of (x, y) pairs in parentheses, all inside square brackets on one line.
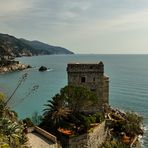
[(128, 82)]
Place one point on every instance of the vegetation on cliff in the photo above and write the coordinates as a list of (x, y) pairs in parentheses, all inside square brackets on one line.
[(12, 46), (71, 113), (67, 112), (123, 129), (11, 129), (66, 115), (44, 48)]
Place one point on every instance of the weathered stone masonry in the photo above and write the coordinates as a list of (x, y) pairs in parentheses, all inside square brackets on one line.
[(91, 76), (93, 139)]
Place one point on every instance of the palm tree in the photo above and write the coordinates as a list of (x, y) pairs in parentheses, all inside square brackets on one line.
[(64, 108), (56, 110)]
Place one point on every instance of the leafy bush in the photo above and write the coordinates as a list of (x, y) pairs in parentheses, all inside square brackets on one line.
[(99, 117), (114, 144), (28, 122), (133, 124), (11, 129), (70, 102)]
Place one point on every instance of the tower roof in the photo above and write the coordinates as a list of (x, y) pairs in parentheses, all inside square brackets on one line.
[(85, 67), (83, 63)]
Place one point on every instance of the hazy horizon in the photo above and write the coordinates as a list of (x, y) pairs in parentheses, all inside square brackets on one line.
[(89, 27)]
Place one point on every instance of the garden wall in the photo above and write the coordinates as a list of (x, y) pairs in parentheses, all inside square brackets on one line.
[(93, 139)]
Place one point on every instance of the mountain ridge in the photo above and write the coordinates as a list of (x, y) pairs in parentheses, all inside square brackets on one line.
[(12, 46), (38, 45)]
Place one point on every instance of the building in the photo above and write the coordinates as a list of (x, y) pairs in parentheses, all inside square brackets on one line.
[(91, 76)]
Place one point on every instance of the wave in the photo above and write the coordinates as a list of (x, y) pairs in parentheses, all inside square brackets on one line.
[(143, 139), (49, 69), (37, 68)]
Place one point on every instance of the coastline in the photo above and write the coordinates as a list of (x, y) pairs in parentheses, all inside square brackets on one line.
[(56, 62), (14, 67)]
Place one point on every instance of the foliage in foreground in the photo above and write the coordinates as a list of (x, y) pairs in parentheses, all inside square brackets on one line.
[(11, 130), (66, 110)]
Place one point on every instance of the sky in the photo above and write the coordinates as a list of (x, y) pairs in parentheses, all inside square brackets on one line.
[(82, 26)]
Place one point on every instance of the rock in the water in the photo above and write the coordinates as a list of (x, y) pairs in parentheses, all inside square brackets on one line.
[(42, 68), (29, 66)]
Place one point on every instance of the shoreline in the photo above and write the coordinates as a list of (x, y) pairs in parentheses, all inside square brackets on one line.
[(14, 67)]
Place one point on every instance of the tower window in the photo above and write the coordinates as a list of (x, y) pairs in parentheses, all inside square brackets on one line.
[(94, 79), (83, 79), (91, 67)]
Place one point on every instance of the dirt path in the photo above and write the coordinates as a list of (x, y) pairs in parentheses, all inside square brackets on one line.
[(38, 141)]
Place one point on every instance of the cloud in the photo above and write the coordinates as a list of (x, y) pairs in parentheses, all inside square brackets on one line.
[(68, 12), (11, 10), (73, 22), (122, 22), (10, 6), (137, 20)]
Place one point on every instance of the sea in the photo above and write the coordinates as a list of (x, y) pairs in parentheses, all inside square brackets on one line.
[(128, 83)]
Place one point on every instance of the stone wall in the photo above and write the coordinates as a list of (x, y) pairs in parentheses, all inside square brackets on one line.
[(46, 134), (94, 139), (106, 89), (91, 76)]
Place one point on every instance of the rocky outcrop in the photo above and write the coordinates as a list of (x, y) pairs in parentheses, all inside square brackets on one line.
[(42, 68), (13, 67)]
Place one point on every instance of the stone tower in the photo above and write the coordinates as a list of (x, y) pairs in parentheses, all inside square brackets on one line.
[(91, 76)]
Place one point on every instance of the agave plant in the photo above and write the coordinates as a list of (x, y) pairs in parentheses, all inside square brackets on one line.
[(11, 131)]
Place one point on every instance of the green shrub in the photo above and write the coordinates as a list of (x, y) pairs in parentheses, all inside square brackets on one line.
[(28, 122)]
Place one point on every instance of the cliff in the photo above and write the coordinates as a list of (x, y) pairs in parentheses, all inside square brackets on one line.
[(12, 46)]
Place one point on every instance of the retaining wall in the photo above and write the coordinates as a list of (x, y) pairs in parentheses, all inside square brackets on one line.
[(94, 139)]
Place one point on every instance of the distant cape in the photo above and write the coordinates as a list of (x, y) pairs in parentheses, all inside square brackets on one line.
[(12, 46)]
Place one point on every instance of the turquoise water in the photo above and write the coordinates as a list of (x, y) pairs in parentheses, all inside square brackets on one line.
[(128, 82)]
